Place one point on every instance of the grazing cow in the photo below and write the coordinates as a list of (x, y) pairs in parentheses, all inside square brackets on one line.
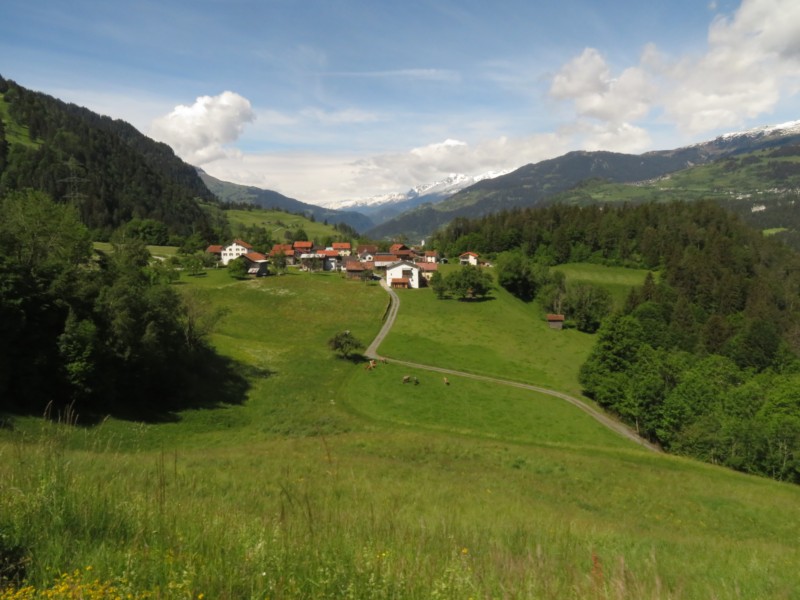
[(416, 381), (446, 380), (370, 365), (406, 378)]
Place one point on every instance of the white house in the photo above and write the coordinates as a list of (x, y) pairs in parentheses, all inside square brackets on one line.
[(403, 274), (235, 250), (468, 258)]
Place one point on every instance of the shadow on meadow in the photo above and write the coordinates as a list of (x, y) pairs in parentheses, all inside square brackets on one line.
[(202, 380), (206, 381)]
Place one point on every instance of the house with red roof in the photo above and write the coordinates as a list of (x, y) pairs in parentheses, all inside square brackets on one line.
[(342, 248), (555, 321), (303, 246), (468, 258), (283, 249)]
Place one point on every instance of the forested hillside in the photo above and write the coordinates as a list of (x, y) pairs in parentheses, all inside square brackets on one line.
[(101, 334), (105, 168), (703, 359), (762, 187)]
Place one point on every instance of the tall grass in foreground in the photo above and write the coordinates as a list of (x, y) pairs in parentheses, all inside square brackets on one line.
[(373, 517), (328, 483)]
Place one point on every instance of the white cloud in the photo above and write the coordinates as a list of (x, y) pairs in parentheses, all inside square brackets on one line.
[(199, 133), (753, 59), (346, 177), (751, 62)]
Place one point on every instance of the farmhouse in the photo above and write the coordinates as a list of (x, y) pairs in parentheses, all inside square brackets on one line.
[(235, 250), (431, 256), (468, 258), (403, 274)]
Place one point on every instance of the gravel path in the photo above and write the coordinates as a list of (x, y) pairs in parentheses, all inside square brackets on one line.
[(599, 416)]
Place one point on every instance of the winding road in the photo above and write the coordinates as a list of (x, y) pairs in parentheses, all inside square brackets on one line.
[(597, 415)]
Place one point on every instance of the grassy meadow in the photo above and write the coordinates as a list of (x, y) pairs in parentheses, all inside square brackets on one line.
[(333, 481), (279, 222)]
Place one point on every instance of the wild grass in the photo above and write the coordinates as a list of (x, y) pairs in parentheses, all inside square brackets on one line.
[(279, 223), (336, 482), (501, 336)]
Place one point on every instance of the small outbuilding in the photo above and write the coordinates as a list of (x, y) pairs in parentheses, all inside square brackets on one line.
[(555, 321)]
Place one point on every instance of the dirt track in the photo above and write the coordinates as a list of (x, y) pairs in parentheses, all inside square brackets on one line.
[(599, 416)]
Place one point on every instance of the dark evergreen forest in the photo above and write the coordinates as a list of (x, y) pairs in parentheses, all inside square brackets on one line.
[(98, 334), (703, 358), (105, 168)]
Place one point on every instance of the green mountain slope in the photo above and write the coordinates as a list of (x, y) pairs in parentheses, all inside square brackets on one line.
[(105, 167), (762, 187), (236, 193), (535, 184)]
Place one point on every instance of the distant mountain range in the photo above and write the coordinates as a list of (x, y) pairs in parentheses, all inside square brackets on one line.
[(236, 193), (114, 174), (534, 184), (384, 207)]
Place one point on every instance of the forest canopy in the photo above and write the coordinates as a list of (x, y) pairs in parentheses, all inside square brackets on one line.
[(100, 332)]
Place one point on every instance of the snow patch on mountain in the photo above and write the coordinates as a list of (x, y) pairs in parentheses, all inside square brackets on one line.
[(446, 187), (788, 128)]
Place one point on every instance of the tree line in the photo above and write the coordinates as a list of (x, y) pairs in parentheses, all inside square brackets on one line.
[(703, 357), (104, 333)]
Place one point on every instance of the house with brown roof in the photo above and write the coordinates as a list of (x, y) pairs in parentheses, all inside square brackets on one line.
[(384, 259), (431, 256), (366, 248), (401, 251), (555, 321), (257, 264), (468, 258), (236, 249), (426, 270), (357, 269)]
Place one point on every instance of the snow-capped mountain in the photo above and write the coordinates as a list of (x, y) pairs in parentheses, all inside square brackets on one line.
[(782, 129), (384, 206)]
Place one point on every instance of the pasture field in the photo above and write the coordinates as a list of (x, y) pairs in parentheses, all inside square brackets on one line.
[(278, 223), (333, 481), (617, 280)]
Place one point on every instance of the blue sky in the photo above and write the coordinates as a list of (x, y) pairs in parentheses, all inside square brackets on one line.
[(329, 101)]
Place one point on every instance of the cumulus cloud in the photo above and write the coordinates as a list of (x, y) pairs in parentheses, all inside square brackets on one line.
[(199, 133), (752, 59), (753, 56), (587, 81)]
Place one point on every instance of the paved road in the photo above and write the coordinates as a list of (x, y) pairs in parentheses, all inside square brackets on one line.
[(599, 416)]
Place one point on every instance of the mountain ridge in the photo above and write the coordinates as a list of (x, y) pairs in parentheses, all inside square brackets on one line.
[(534, 183)]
